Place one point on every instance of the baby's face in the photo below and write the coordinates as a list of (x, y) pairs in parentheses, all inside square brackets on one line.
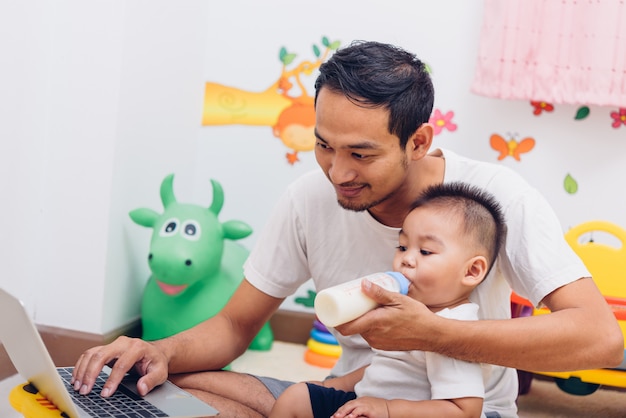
[(433, 256)]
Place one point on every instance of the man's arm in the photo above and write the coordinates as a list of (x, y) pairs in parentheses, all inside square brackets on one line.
[(216, 342), (580, 332), (209, 345)]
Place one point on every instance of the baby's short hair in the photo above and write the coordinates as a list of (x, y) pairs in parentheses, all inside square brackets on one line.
[(480, 212)]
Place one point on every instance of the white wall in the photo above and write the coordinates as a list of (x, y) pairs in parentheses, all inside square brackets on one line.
[(102, 99), (445, 34), (61, 73)]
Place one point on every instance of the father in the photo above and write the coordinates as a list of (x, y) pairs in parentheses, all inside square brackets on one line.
[(373, 103)]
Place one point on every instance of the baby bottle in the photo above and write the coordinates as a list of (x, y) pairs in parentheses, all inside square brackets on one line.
[(342, 303)]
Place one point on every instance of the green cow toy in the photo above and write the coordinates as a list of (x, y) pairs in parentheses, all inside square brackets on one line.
[(195, 266)]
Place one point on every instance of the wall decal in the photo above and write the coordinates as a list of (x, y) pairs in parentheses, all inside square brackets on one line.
[(582, 113), (285, 105), (442, 121), (619, 118), (308, 300), (540, 107), (570, 184), (511, 148)]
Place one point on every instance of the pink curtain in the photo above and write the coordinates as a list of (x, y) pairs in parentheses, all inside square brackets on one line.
[(557, 51)]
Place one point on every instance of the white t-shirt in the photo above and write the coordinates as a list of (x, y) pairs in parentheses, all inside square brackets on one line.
[(418, 375), (309, 235)]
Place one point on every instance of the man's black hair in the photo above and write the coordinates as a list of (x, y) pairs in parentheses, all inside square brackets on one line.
[(374, 74)]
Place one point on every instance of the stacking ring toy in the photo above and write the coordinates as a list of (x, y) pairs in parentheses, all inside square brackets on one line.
[(324, 337), (319, 360), (319, 326), (324, 349)]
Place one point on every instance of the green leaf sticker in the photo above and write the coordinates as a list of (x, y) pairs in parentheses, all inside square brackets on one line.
[(582, 113), (288, 59), (307, 301), (316, 51), (570, 185), (285, 57)]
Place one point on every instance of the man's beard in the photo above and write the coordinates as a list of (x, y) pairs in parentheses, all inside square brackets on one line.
[(360, 207)]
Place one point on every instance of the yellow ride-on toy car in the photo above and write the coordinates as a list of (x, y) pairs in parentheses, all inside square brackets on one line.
[(607, 264)]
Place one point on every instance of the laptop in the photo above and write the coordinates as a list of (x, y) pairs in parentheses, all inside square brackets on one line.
[(30, 357)]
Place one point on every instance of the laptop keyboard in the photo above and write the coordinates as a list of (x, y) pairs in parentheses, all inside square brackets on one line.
[(123, 403)]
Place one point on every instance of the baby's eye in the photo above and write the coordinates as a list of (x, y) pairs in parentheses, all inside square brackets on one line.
[(425, 252), (401, 248)]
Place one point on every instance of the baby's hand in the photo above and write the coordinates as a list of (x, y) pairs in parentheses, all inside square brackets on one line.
[(363, 407)]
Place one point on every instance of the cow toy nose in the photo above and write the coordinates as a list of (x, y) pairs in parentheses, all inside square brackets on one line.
[(187, 262)]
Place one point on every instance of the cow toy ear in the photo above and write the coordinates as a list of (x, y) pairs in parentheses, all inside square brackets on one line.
[(144, 217), (236, 229)]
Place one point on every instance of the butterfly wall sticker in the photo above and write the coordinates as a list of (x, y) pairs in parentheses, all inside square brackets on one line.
[(511, 148)]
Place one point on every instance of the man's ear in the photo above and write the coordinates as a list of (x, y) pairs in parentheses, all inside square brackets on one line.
[(475, 271), (419, 143)]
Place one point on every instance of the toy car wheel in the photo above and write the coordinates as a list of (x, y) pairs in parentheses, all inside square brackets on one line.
[(575, 386)]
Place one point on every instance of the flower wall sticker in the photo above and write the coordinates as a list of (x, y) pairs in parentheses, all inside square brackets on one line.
[(619, 118), (442, 121), (540, 107), (511, 148)]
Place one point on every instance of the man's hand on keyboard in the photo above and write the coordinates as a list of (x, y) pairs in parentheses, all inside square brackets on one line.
[(122, 355)]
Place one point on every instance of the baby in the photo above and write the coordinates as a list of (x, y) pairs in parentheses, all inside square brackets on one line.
[(447, 246)]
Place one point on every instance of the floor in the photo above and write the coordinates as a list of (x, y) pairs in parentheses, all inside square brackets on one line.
[(544, 400)]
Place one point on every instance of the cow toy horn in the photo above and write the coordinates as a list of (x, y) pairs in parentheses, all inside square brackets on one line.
[(218, 197), (167, 191)]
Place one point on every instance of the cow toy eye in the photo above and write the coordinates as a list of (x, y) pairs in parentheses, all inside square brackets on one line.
[(191, 230), (170, 227)]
